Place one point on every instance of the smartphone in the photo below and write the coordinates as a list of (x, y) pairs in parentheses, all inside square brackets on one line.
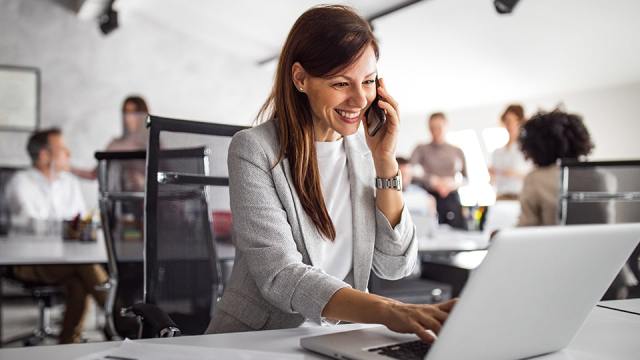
[(376, 117)]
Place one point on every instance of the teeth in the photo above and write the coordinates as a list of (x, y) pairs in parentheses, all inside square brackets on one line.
[(348, 115)]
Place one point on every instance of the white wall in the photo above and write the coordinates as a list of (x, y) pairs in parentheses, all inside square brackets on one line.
[(85, 76)]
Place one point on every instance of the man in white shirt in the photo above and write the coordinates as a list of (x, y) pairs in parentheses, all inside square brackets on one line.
[(49, 193)]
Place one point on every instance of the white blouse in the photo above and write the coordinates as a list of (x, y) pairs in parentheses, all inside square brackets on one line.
[(336, 257), (509, 158)]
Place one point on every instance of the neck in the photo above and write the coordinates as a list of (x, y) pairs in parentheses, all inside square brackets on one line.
[(321, 132), (46, 171)]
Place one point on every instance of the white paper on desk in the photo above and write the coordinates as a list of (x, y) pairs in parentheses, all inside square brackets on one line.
[(130, 350)]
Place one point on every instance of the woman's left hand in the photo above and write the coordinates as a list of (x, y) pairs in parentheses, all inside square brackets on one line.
[(383, 144)]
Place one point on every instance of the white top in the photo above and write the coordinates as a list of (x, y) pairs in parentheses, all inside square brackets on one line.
[(336, 257), (509, 158), (31, 195)]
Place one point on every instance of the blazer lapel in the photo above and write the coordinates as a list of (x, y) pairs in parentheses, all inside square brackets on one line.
[(361, 177), (310, 235)]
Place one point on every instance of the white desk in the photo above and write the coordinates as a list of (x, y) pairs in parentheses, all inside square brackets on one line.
[(19, 249), (451, 240), (22, 249), (607, 334)]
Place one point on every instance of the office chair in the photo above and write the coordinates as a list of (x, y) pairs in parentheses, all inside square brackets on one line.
[(45, 296), (602, 192), (411, 290), (186, 181), (121, 200)]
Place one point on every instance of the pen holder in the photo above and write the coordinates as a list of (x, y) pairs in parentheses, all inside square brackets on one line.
[(79, 230)]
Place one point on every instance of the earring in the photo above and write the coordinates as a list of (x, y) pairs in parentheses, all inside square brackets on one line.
[(301, 90)]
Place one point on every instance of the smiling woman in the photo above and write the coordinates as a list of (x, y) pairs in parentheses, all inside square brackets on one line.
[(316, 206)]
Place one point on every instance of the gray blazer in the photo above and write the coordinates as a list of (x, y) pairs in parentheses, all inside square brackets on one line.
[(274, 284)]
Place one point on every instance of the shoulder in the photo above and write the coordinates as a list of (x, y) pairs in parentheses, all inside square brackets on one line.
[(22, 178), (258, 141), (456, 149)]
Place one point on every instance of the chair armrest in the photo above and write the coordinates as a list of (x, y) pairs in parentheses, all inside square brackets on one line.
[(155, 322)]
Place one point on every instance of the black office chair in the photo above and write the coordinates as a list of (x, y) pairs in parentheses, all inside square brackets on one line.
[(121, 199), (411, 290), (45, 296), (602, 192), (186, 180)]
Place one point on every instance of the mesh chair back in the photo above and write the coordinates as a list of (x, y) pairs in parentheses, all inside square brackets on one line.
[(121, 186), (603, 192), (6, 173), (186, 183), (600, 192)]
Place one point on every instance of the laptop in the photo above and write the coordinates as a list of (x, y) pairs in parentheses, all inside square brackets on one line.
[(529, 297)]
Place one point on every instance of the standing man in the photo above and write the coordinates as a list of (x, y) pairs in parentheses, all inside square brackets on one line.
[(444, 168), (45, 193)]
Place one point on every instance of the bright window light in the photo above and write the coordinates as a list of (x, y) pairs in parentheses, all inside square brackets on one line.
[(478, 190), (494, 138)]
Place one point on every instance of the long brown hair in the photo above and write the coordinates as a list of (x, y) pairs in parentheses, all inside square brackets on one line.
[(324, 40)]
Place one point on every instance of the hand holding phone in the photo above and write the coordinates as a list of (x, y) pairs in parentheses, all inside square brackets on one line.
[(375, 116)]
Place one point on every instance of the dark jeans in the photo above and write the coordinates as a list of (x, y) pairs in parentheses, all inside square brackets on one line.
[(449, 210)]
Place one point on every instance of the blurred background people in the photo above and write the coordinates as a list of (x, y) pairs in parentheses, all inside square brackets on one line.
[(548, 137), (421, 205), (48, 193), (508, 165), (444, 169), (134, 134), (416, 199)]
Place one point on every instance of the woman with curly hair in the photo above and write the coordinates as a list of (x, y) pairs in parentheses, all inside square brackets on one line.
[(545, 139)]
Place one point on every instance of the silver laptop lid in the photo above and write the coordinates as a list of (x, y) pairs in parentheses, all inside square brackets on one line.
[(534, 290)]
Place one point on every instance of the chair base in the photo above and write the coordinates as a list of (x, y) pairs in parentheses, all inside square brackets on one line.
[(34, 338)]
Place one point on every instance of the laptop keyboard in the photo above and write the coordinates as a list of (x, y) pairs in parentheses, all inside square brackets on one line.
[(405, 351)]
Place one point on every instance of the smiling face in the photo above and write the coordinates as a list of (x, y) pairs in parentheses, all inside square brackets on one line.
[(338, 103)]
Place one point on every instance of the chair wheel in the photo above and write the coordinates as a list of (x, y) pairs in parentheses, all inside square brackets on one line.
[(34, 341)]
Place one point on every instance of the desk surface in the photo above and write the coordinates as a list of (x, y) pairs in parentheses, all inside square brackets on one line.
[(451, 240), (630, 305), (20, 249), (606, 334)]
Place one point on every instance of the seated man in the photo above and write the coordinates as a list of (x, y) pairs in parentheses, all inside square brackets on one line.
[(49, 193)]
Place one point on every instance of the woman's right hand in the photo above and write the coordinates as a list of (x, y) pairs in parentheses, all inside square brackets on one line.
[(417, 319)]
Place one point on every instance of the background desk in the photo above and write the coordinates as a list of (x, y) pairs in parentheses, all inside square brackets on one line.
[(19, 249), (607, 334)]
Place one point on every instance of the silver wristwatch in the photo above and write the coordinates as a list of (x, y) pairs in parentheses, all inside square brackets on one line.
[(393, 183)]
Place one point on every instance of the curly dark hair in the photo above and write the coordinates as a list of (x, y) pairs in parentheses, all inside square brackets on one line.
[(549, 136)]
